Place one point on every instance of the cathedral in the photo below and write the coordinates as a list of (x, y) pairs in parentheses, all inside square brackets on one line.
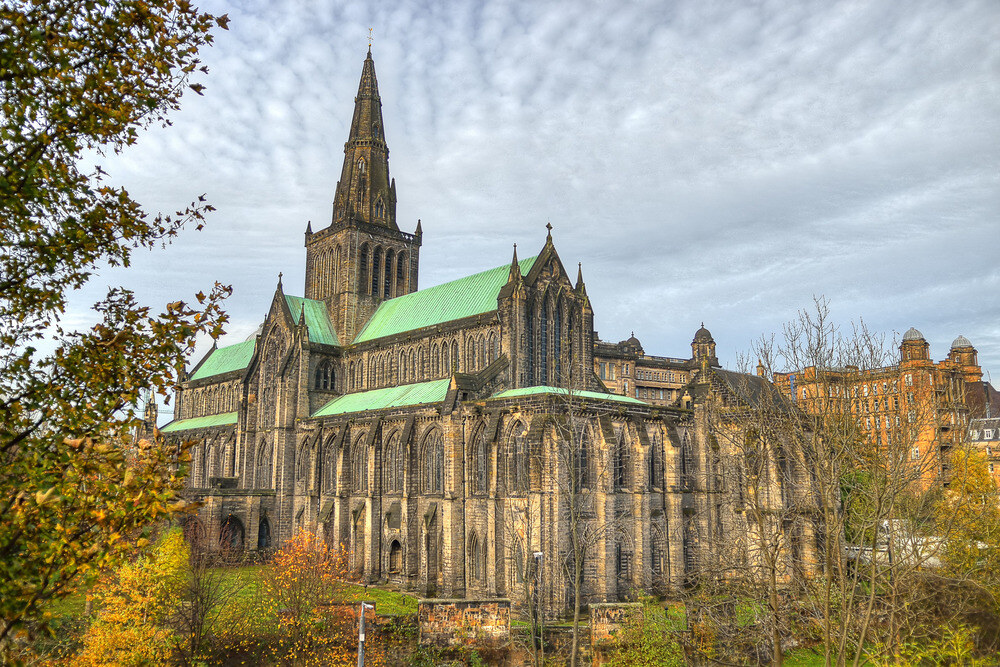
[(457, 438)]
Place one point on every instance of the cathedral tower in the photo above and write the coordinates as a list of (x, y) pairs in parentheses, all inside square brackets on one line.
[(362, 258)]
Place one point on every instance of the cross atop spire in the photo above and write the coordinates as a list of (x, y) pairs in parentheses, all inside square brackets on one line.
[(370, 38)]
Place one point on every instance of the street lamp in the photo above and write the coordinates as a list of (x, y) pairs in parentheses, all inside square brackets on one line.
[(361, 633)]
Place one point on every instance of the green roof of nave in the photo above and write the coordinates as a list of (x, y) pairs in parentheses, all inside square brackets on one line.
[(465, 297), (534, 391), (224, 419), (389, 397), (317, 319), (225, 359)]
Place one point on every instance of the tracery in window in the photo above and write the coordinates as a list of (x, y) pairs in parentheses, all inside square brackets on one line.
[(432, 463), (479, 463)]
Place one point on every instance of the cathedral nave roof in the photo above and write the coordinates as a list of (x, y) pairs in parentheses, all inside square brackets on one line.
[(465, 297)]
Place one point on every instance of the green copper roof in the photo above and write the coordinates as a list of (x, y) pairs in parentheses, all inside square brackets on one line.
[(317, 319), (390, 397), (224, 419), (531, 391), (225, 359), (472, 295)]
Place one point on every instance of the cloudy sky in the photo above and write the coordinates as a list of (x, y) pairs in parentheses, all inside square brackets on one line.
[(716, 162)]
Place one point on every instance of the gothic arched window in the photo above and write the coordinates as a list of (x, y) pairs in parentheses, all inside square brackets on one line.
[(432, 463), (517, 458), (379, 208), (393, 465), (581, 461), (376, 271), (400, 275), (359, 459), (387, 283), (557, 335), (263, 477), (363, 269), (324, 375), (329, 472), (454, 357), (479, 463), (543, 343), (620, 462), (476, 561), (361, 165), (656, 460)]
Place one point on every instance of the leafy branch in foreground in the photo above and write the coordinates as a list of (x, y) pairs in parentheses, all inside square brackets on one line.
[(75, 77)]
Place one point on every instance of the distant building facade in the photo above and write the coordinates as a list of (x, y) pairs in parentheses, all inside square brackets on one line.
[(984, 437), (444, 435), (919, 403)]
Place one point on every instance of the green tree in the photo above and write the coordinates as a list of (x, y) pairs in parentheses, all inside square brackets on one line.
[(79, 77)]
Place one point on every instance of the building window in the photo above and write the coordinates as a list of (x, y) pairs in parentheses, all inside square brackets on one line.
[(479, 463), (915, 454), (432, 461), (909, 380), (517, 459)]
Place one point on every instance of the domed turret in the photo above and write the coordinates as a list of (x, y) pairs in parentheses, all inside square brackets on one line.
[(963, 354), (961, 341), (914, 346), (703, 349), (703, 335)]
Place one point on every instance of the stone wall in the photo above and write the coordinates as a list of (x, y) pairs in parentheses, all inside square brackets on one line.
[(607, 621), (473, 623)]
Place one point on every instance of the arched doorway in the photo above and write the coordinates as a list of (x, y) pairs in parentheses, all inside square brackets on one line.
[(231, 535), (395, 558), (263, 534)]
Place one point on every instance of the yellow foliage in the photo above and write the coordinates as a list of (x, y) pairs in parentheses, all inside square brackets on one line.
[(133, 603)]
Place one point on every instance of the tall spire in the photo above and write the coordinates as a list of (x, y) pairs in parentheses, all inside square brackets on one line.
[(365, 192)]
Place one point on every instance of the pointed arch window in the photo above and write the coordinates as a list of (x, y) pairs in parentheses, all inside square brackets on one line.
[(329, 472), (360, 465), (543, 343), (324, 375), (393, 465), (479, 463), (557, 336), (379, 208), (517, 459), (363, 268), (454, 357), (400, 275), (432, 463), (263, 465), (390, 257), (656, 460), (581, 471), (476, 562), (620, 463), (361, 165), (376, 271)]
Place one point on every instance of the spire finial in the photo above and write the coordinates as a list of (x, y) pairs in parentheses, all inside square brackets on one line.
[(548, 226), (371, 36), (279, 278)]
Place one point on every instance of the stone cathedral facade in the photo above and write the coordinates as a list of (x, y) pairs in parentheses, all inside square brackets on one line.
[(446, 436)]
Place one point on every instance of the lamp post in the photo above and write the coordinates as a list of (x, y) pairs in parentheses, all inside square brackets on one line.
[(361, 632), (538, 555)]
